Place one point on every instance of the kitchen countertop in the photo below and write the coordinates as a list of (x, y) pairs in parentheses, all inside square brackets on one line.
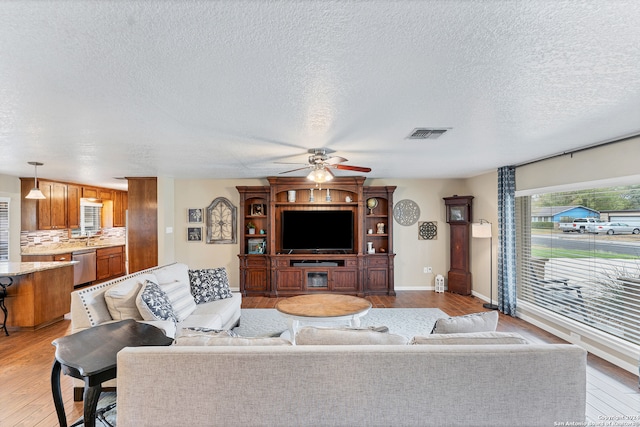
[(8, 269), (66, 248)]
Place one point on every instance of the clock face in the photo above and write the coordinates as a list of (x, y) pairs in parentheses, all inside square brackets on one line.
[(406, 212), (457, 213)]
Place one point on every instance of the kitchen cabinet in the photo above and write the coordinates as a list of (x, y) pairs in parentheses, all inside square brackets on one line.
[(73, 205), (52, 211), (119, 208), (47, 258), (61, 207), (110, 263)]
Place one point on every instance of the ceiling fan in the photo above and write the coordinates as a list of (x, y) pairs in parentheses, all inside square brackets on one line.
[(320, 164)]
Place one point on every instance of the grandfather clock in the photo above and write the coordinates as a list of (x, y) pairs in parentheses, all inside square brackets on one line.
[(459, 218)]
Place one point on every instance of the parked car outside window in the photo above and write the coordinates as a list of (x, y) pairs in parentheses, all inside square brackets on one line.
[(616, 228)]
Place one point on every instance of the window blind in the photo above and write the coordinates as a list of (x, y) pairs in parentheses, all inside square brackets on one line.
[(591, 278), (4, 229)]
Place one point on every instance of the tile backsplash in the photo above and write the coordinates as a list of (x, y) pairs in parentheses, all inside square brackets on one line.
[(30, 240)]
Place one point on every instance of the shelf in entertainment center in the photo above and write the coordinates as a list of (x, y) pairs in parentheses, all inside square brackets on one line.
[(377, 235), (318, 203)]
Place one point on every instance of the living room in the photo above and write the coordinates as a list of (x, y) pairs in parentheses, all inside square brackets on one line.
[(526, 106)]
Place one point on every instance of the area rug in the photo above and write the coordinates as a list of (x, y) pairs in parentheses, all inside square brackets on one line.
[(409, 322), (105, 418)]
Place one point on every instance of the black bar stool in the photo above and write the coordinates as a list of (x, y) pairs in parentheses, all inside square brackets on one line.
[(3, 294)]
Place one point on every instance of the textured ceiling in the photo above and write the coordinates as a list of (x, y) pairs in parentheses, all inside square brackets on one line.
[(229, 89)]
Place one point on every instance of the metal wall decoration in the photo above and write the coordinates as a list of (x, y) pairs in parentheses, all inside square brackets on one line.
[(406, 212), (427, 230), (221, 221)]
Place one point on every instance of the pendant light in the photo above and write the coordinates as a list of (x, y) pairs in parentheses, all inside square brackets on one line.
[(35, 192)]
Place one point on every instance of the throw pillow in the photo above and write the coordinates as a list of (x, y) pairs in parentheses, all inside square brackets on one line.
[(486, 321), (180, 298), (478, 338), (209, 284), (310, 335), (154, 303), (121, 298), (229, 341)]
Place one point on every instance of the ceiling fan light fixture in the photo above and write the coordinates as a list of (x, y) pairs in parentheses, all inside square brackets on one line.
[(320, 175), (35, 192)]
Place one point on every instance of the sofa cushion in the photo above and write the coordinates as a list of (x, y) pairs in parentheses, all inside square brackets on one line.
[(209, 284), (226, 308), (171, 273), (209, 321), (153, 303), (310, 335), (486, 321), (222, 340), (121, 297), (475, 338), (180, 298)]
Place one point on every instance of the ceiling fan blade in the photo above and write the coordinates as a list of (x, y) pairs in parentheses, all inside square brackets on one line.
[(352, 168), (294, 170), (335, 159)]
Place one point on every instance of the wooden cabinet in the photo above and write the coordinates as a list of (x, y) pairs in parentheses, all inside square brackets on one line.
[(47, 258), (52, 211), (119, 208), (267, 269), (458, 214), (61, 207), (110, 263), (39, 299), (73, 205), (89, 192)]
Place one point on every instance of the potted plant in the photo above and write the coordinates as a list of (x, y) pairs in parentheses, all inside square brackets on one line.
[(251, 227)]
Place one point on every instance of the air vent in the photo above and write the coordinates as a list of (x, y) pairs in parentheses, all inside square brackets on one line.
[(427, 133)]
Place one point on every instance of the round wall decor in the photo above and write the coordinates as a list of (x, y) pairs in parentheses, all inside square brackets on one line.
[(406, 212)]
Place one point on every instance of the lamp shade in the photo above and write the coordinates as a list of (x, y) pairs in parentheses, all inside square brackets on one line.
[(35, 193), (320, 175), (481, 230)]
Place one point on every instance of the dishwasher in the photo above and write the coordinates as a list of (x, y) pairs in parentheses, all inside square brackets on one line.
[(85, 270)]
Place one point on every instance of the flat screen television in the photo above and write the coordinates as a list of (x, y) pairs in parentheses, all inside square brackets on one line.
[(317, 230)]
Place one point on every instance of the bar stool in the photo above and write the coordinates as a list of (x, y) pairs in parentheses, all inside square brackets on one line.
[(3, 294)]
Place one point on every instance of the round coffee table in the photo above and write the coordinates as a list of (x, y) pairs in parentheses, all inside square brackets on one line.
[(320, 308)]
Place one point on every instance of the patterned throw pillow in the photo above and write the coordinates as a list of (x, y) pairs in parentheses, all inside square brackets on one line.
[(154, 303), (209, 284)]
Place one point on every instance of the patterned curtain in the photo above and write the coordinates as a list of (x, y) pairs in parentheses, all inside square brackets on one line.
[(507, 240)]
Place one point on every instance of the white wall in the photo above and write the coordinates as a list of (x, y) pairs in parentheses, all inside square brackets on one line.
[(10, 187)]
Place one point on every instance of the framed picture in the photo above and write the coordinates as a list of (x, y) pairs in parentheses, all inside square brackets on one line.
[(258, 209), (195, 215), (194, 234), (256, 246)]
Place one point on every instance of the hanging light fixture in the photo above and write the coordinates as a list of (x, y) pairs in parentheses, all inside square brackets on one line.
[(35, 192), (320, 174)]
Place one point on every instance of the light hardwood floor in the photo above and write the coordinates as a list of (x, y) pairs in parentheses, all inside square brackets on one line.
[(26, 358)]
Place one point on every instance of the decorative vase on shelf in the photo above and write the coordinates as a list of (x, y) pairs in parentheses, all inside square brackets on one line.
[(291, 196), (328, 196), (370, 247), (311, 199)]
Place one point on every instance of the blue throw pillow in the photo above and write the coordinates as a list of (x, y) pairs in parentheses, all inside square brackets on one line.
[(153, 303)]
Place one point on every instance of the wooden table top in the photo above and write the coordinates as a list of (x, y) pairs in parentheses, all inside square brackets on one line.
[(323, 305)]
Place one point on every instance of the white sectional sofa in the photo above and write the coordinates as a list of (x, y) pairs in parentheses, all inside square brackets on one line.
[(119, 298), (352, 385)]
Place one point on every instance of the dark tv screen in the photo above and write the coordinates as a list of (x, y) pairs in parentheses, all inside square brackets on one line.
[(317, 230)]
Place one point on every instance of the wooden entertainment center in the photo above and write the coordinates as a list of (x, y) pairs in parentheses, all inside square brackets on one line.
[(269, 270)]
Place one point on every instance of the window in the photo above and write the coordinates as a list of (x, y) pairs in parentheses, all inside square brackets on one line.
[(586, 269), (4, 229)]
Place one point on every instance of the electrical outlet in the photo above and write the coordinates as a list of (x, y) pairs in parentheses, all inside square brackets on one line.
[(428, 270), (56, 239), (36, 239)]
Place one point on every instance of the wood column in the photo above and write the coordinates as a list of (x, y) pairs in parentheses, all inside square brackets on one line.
[(142, 226)]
